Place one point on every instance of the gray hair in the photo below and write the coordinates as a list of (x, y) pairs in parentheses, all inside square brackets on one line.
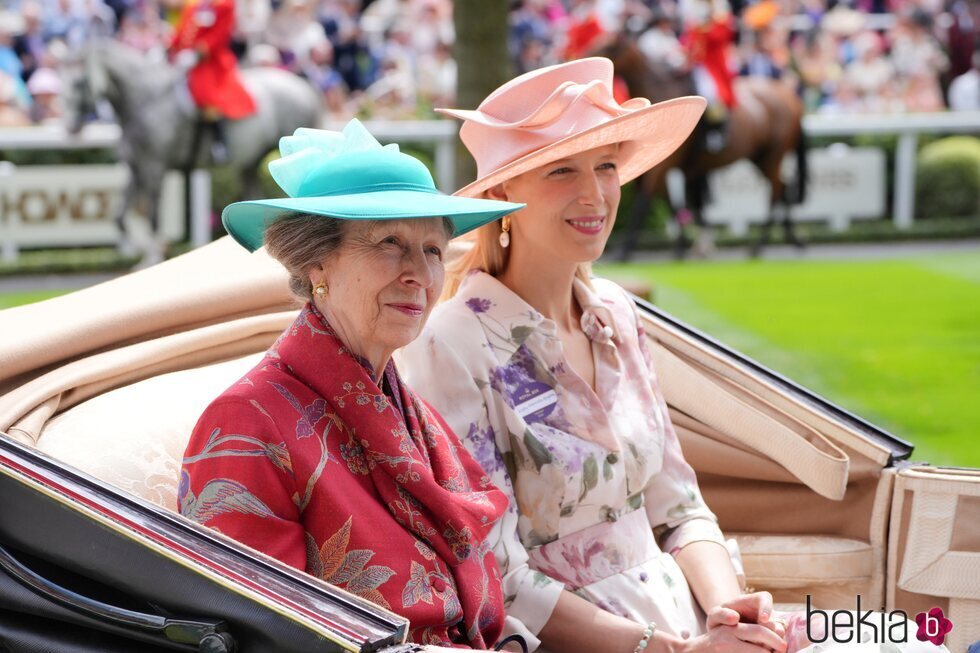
[(299, 241)]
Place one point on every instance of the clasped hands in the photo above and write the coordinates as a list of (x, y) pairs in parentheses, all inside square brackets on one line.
[(746, 625)]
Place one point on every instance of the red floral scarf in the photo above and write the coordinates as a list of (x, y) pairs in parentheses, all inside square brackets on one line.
[(427, 480)]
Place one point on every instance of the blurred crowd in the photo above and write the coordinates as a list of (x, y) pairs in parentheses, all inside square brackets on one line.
[(394, 58)]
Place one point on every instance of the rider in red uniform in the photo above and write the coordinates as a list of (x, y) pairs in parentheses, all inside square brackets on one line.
[(203, 38), (708, 37)]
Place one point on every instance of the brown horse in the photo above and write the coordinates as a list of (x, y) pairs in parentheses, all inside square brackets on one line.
[(764, 127)]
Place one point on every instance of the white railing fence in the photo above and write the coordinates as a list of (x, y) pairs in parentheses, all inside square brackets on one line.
[(441, 136)]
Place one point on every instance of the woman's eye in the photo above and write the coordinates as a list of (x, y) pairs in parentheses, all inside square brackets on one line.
[(435, 251), (608, 165), (560, 171), (391, 240)]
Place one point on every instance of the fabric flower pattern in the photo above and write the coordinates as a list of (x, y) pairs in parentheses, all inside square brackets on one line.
[(573, 457), (362, 487)]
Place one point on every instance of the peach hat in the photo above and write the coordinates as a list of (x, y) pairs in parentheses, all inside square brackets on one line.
[(554, 112)]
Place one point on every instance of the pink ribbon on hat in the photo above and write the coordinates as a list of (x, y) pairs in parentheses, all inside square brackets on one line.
[(558, 103)]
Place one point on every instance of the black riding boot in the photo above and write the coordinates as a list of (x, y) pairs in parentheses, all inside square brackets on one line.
[(716, 120), (219, 144)]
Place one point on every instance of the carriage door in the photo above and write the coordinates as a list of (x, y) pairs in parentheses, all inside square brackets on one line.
[(934, 548)]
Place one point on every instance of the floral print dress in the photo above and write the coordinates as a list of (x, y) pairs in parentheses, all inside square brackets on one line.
[(600, 491)]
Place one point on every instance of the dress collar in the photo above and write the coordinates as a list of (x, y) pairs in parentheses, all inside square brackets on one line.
[(508, 320)]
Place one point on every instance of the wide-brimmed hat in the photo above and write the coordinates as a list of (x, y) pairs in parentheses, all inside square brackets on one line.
[(555, 112), (348, 175)]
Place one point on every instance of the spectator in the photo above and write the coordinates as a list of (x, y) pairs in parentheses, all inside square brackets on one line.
[(12, 113), (320, 72), (45, 88), (660, 45), (11, 25), (352, 55), (964, 91), (294, 30), (252, 21), (869, 77), (141, 28), (918, 62), (437, 77), (29, 44)]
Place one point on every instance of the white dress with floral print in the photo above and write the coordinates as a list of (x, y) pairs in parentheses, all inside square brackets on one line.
[(594, 476), (601, 496)]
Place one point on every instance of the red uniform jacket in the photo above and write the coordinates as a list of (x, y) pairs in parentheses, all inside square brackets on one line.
[(307, 460), (205, 26), (707, 45)]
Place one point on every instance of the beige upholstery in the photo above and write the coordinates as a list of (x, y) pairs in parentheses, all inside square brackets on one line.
[(832, 570), (134, 437)]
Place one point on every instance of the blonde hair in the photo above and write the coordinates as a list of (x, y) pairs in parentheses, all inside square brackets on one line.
[(487, 255)]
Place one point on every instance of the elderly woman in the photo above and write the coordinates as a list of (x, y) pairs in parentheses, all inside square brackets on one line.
[(607, 544), (321, 456)]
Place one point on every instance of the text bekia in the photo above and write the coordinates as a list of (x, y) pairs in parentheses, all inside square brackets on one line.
[(854, 627)]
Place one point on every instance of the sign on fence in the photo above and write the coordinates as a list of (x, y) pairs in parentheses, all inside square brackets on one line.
[(66, 206), (844, 184)]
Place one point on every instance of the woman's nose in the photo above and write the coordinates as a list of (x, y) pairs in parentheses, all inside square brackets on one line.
[(590, 190), (419, 270)]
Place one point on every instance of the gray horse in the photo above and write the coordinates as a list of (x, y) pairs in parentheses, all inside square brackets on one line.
[(160, 133)]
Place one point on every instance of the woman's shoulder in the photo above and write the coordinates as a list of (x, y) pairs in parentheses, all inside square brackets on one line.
[(615, 298), (453, 324), (250, 394)]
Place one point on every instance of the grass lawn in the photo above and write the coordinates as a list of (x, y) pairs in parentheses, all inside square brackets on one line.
[(9, 300), (895, 341)]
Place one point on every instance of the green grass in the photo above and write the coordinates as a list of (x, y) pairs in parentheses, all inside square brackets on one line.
[(9, 300), (896, 341)]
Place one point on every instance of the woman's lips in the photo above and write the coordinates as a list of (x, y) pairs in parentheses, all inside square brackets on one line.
[(413, 310), (590, 225)]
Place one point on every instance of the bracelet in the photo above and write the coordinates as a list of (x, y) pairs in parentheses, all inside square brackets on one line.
[(647, 634)]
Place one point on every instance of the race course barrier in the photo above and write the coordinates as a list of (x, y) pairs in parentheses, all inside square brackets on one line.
[(845, 188)]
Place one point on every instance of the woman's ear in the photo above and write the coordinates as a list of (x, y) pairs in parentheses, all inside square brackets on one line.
[(497, 193)]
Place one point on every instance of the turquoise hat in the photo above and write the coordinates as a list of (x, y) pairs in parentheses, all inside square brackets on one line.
[(350, 176)]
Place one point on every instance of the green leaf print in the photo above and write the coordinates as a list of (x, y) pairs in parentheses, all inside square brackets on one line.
[(635, 501), (681, 510), (510, 464), (637, 456), (517, 453), (607, 470), (540, 580), (539, 454), (519, 334), (590, 476)]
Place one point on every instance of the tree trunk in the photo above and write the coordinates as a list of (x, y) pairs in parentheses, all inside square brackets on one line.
[(482, 60)]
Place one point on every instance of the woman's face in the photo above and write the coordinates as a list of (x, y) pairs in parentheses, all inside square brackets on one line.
[(382, 283), (571, 205)]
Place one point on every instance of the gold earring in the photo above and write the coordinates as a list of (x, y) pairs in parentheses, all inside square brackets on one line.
[(320, 290), (505, 232)]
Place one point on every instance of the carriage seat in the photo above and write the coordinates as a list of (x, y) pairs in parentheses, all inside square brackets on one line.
[(133, 437)]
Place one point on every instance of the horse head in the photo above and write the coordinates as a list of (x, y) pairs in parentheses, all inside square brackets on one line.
[(87, 85)]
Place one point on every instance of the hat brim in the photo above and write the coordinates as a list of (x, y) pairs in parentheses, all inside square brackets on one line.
[(652, 133), (246, 221)]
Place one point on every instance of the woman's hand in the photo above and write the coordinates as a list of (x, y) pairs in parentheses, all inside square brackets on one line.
[(739, 638), (755, 608)]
